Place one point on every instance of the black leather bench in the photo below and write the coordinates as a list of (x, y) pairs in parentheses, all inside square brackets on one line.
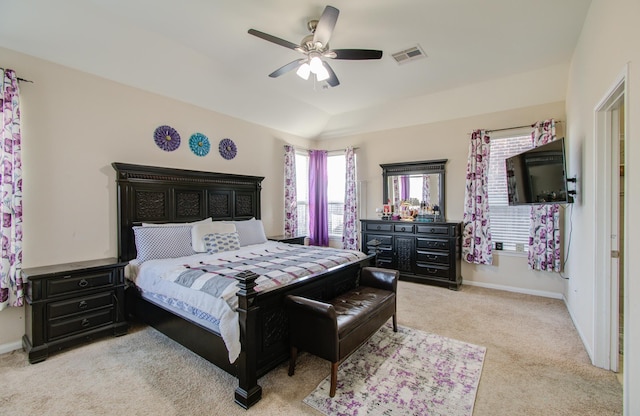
[(332, 330)]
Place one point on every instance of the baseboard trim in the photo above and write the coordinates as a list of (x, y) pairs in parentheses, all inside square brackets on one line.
[(10, 346), (541, 293), (580, 333)]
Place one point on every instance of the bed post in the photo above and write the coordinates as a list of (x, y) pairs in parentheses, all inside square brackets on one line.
[(248, 391)]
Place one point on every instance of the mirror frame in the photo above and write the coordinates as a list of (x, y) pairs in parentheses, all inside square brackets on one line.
[(425, 167)]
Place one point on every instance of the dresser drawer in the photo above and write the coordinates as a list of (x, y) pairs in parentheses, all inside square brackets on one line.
[(432, 244), (402, 228), (78, 282), (63, 327), (442, 230), (432, 257), (379, 227), (385, 240), (433, 270), (76, 305)]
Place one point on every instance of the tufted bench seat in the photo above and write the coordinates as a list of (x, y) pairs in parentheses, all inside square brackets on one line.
[(333, 329)]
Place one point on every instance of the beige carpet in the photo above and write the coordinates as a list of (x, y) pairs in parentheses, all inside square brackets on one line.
[(535, 365)]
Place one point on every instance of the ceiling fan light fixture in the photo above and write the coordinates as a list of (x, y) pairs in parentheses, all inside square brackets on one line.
[(316, 64), (322, 74), (304, 71)]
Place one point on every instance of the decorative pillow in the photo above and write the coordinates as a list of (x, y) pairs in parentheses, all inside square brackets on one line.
[(162, 242), (250, 232), (198, 231), (176, 224), (219, 242)]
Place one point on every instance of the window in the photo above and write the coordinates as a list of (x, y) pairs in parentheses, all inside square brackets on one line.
[(336, 171), (509, 224)]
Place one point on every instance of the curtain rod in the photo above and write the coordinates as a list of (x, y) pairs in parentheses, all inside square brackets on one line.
[(21, 79), (514, 127), (328, 151)]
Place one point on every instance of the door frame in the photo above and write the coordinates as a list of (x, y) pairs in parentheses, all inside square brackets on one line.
[(606, 301)]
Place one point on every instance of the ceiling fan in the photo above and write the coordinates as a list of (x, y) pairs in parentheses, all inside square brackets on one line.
[(315, 47)]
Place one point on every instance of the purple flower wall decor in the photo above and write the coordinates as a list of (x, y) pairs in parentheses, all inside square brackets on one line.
[(199, 144), (227, 149), (167, 138)]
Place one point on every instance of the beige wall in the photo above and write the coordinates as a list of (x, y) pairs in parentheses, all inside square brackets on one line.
[(75, 125), (450, 140), (608, 46)]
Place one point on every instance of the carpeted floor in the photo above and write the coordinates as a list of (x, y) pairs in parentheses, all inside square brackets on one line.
[(535, 364)]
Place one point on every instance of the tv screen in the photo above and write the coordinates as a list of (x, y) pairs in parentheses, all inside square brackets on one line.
[(537, 176)]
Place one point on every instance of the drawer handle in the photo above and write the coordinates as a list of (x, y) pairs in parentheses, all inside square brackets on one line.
[(83, 283), (432, 271), (85, 323), (431, 257), (433, 230), (378, 228), (83, 305), (402, 229)]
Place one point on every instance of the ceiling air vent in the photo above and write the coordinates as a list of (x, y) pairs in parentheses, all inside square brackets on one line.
[(409, 55)]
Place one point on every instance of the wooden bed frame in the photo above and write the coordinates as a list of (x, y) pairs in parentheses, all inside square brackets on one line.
[(155, 194)]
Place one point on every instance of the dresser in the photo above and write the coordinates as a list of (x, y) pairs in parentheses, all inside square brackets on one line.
[(423, 252), (69, 304)]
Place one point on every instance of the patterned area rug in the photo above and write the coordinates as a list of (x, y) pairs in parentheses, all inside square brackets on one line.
[(410, 372)]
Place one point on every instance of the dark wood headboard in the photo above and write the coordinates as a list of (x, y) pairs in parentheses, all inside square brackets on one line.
[(159, 195)]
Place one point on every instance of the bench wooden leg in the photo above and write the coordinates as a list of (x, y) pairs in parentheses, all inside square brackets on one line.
[(292, 360), (395, 323), (334, 379)]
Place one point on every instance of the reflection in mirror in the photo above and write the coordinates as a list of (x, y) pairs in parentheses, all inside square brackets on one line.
[(419, 191), (415, 189)]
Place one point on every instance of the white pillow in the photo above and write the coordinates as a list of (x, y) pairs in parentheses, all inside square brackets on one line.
[(176, 224), (250, 231), (198, 231), (162, 242)]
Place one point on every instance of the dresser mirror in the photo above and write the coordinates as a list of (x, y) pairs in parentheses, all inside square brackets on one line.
[(416, 187)]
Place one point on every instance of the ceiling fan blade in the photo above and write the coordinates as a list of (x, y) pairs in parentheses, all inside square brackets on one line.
[(325, 25), (288, 67), (355, 54), (333, 79), (273, 39)]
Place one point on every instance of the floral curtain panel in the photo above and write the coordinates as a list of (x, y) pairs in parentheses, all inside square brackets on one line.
[(11, 287), (426, 191), (290, 193), (544, 230), (350, 216), (476, 234)]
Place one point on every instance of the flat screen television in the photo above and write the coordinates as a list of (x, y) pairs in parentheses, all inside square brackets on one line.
[(538, 176)]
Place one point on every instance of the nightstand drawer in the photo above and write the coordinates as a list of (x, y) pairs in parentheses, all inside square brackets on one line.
[(76, 305), (74, 283), (80, 323)]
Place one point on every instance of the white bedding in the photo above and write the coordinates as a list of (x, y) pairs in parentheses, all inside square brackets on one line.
[(159, 277)]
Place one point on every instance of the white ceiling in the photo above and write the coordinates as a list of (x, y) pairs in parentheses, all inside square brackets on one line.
[(199, 51)]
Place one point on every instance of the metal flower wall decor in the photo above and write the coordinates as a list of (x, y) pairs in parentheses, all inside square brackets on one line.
[(167, 138), (199, 144), (227, 149)]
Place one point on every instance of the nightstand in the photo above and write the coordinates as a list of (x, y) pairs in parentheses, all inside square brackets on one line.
[(291, 240), (69, 304)]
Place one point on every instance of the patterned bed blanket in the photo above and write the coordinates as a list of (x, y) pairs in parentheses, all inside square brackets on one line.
[(207, 281), (276, 266)]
